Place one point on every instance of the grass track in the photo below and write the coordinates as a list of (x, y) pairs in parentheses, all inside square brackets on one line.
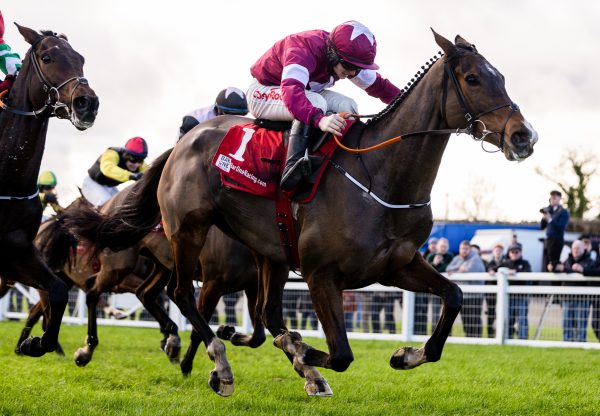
[(129, 375)]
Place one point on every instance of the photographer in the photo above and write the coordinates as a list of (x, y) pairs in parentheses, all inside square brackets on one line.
[(554, 221)]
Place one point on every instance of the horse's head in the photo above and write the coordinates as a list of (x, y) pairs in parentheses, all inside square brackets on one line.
[(57, 79), (475, 96)]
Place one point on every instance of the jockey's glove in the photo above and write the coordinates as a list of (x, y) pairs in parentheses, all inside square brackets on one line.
[(135, 176)]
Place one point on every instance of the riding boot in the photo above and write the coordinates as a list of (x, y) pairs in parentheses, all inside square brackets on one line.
[(297, 164)]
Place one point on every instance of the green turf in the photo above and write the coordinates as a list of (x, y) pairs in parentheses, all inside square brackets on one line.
[(129, 375)]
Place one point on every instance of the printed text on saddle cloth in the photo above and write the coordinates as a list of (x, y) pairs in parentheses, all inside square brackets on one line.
[(250, 159)]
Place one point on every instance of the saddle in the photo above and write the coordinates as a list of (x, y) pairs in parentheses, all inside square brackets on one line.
[(251, 158)]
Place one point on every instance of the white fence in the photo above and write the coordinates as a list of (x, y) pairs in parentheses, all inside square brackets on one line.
[(546, 315)]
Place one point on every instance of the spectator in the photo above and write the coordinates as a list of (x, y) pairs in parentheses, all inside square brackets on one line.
[(490, 298), (229, 101), (385, 301), (587, 241), (307, 312), (594, 271), (439, 259), (431, 247), (518, 305), (468, 261), (554, 221), (230, 300), (290, 307), (349, 309), (575, 307)]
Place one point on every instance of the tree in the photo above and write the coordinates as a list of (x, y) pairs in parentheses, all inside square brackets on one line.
[(479, 201), (574, 187)]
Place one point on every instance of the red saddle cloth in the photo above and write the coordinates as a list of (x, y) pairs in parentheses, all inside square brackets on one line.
[(250, 159)]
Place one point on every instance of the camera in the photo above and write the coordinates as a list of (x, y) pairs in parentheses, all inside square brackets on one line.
[(545, 210)]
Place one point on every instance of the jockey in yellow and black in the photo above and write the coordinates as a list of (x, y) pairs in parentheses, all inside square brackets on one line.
[(46, 184), (114, 167)]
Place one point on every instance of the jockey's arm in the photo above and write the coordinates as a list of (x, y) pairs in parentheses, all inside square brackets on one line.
[(375, 85), (109, 166)]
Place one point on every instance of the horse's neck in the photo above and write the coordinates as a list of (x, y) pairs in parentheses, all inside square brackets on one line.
[(404, 172), (22, 141)]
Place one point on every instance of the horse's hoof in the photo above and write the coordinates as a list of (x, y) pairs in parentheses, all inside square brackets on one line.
[(82, 357), (225, 332), (401, 358), (222, 387), (186, 368), (18, 350), (32, 347), (318, 387), (173, 348)]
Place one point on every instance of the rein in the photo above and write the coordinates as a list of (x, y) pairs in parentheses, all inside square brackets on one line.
[(53, 100), (470, 130), (448, 74)]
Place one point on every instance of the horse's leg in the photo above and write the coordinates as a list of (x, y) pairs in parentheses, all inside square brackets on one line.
[(419, 276), (258, 336), (35, 313), (84, 355), (186, 246), (29, 269), (207, 303), (148, 293), (272, 282), (327, 301)]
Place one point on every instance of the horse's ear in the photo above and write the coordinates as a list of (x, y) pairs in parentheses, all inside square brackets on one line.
[(447, 46), (30, 35), (459, 40)]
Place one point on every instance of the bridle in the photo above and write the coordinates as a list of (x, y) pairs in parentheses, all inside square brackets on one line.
[(468, 114), (469, 129), (53, 101)]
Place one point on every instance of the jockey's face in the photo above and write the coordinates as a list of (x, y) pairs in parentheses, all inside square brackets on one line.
[(133, 166), (343, 73)]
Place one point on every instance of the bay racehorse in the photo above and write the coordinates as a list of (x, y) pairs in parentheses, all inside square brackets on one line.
[(50, 83), (364, 226), (225, 266)]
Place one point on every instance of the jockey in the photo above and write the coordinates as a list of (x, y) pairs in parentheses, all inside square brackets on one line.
[(229, 101), (46, 184), (291, 81), (114, 167), (10, 62)]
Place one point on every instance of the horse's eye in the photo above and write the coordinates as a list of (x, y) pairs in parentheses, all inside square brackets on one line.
[(472, 79), (46, 58)]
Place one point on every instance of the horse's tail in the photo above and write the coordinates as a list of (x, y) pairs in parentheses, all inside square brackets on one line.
[(135, 217), (3, 287), (55, 243)]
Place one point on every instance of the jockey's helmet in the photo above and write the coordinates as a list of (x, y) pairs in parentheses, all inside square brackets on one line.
[(354, 44), (232, 101), (137, 147), (47, 178)]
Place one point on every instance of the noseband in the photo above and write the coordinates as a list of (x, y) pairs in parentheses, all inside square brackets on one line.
[(53, 100), (468, 114)]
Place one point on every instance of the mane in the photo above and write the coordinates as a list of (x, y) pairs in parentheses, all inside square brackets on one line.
[(54, 34), (405, 92)]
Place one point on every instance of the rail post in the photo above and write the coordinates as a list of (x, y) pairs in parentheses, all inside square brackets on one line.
[(502, 305), (408, 315)]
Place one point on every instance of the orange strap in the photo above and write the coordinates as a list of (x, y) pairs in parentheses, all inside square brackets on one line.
[(366, 149)]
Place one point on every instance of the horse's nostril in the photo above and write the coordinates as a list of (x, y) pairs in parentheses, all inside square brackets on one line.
[(82, 103), (520, 139)]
